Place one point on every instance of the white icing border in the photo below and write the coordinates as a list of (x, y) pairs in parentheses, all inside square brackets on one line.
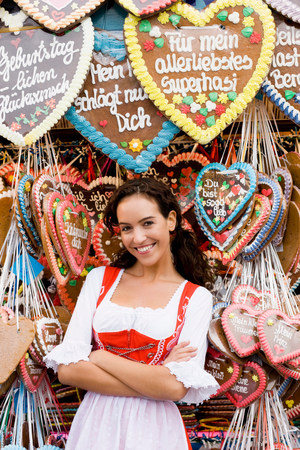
[(286, 8)]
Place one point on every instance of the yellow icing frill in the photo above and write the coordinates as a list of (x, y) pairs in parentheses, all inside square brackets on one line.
[(201, 19)]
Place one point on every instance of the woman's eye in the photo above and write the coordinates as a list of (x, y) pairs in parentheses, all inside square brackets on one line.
[(148, 223), (124, 229)]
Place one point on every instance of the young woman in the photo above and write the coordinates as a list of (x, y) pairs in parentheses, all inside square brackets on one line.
[(137, 338)]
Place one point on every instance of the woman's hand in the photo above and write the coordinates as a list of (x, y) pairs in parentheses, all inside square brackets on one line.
[(181, 352)]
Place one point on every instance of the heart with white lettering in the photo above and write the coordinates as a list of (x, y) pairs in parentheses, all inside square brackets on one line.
[(225, 371), (187, 61), (58, 15), (250, 386), (106, 244), (31, 372), (40, 77), (282, 84), (48, 335), (179, 173), (288, 8), (135, 132), (279, 335), (73, 228), (248, 295), (239, 322), (223, 194)]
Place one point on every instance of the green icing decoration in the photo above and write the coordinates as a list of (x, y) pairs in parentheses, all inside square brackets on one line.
[(174, 19), (257, 213), (188, 100), (89, 268), (62, 270), (159, 42), (87, 229), (145, 26), (210, 121), (213, 96), (124, 144), (247, 31), (237, 200), (289, 94), (216, 221), (248, 11), (203, 111), (72, 282), (232, 96), (201, 183), (279, 178), (147, 142), (222, 15)]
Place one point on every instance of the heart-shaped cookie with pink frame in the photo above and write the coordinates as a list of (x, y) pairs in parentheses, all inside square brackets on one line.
[(201, 69), (249, 387), (58, 15), (46, 79), (248, 295), (31, 372), (73, 228), (105, 244)]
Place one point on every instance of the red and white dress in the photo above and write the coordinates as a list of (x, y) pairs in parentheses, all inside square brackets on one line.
[(146, 335)]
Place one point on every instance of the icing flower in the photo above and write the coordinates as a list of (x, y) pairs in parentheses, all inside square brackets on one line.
[(149, 45), (135, 145), (220, 109), (67, 214), (27, 186), (248, 22), (223, 98), (201, 98), (74, 6), (84, 273), (255, 378), (194, 107), (234, 17), (163, 17), (15, 126), (255, 38), (155, 32), (31, 123), (177, 99), (50, 103), (199, 119), (185, 109), (210, 106)]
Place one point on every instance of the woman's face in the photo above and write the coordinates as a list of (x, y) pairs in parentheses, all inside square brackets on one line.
[(145, 232)]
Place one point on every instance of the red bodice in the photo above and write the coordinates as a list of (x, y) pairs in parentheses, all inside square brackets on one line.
[(134, 345)]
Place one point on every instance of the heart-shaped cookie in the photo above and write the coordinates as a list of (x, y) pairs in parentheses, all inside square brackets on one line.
[(201, 69), (179, 172), (105, 244), (73, 228), (289, 251), (282, 84), (48, 335), (31, 372), (284, 178), (48, 76), (248, 295), (239, 322), (279, 336), (6, 203), (222, 194), (133, 133), (225, 371), (58, 15), (141, 8), (15, 338), (291, 400), (249, 387), (288, 8)]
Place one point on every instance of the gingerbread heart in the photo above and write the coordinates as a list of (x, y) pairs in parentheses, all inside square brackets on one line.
[(106, 245), (6, 203), (248, 295), (291, 400), (58, 15), (222, 194), (249, 387), (179, 172), (239, 322), (23, 234), (282, 84), (15, 338), (288, 8), (73, 228), (133, 133), (31, 372), (284, 178), (225, 371), (279, 336), (142, 8), (48, 335), (206, 94), (48, 77), (289, 251)]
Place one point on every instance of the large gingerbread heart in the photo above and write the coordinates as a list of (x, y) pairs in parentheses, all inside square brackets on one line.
[(73, 228), (114, 113), (58, 15), (282, 85), (288, 8), (15, 338), (239, 322), (279, 336), (179, 172), (41, 75), (249, 387), (201, 69), (222, 194)]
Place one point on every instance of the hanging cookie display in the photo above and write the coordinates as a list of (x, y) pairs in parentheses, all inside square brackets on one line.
[(203, 68), (41, 75), (114, 113)]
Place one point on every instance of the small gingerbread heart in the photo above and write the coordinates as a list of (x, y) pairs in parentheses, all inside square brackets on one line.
[(31, 372), (106, 245)]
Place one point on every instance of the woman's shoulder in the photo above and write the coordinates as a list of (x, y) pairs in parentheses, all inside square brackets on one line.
[(202, 296)]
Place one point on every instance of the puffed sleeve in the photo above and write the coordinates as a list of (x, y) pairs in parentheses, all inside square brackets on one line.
[(77, 343), (191, 373)]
